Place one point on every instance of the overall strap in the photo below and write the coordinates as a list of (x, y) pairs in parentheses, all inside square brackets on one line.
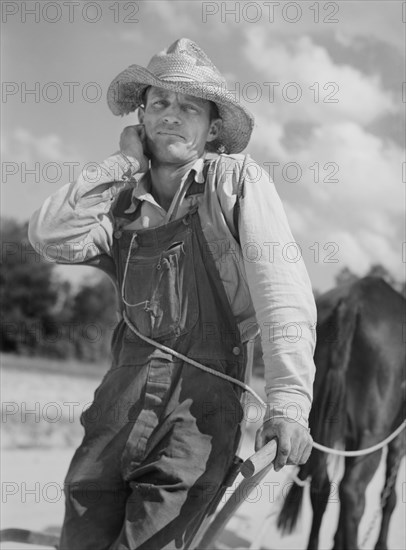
[(240, 185), (121, 204), (103, 261)]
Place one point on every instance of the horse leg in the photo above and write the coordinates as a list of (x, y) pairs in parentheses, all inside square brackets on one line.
[(358, 473), (319, 494), (393, 459)]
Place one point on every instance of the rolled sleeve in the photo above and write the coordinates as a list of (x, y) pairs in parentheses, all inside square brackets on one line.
[(282, 297), (75, 223)]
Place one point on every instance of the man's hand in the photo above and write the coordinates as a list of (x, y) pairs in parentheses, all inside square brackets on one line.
[(133, 144), (294, 441)]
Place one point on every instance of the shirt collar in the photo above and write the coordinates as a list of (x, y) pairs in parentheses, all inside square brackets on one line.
[(143, 190)]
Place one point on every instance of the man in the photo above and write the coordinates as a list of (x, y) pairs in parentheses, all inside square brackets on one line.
[(194, 245)]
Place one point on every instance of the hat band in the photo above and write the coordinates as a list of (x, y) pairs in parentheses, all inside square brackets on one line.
[(174, 76)]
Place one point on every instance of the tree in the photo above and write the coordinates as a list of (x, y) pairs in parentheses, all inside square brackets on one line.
[(93, 319), (27, 290)]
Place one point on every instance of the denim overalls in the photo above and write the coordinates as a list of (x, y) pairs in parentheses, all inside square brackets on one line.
[(161, 434)]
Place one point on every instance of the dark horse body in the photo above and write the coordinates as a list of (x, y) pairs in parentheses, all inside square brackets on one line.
[(358, 402)]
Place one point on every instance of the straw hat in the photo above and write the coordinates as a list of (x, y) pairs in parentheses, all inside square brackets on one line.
[(185, 68)]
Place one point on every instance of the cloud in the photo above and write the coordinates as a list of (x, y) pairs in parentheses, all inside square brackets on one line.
[(381, 20), (24, 146), (175, 18), (357, 200), (33, 167), (135, 39), (363, 212), (301, 82), (368, 182)]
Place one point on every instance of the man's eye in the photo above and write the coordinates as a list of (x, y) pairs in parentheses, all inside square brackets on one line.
[(158, 103), (191, 108)]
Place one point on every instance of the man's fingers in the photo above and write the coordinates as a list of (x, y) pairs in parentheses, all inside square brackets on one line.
[(298, 456), (295, 452), (303, 453), (140, 128), (133, 143), (306, 452), (294, 441), (259, 440), (284, 448)]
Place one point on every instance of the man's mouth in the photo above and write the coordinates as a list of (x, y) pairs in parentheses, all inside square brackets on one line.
[(171, 134)]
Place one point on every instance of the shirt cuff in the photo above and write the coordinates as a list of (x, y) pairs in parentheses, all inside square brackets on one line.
[(292, 411), (131, 166), (103, 182), (122, 167)]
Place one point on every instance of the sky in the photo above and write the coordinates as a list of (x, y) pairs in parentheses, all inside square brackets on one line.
[(325, 81)]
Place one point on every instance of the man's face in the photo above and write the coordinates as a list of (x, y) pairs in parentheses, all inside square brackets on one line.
[(177, 126)]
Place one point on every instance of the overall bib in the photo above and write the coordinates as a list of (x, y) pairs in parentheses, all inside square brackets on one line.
[(161, 434)]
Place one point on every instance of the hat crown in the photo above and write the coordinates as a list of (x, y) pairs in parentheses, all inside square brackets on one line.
[(185, 60)]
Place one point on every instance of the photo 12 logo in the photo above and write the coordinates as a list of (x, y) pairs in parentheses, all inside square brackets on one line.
[(71, 12), (271, 12), (51, 92)]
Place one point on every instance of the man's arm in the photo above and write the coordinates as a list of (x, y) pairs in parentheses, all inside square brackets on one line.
[(285, 309), (75, 223)]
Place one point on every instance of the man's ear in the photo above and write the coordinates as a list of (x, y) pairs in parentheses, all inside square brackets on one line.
[(141, 114), (214, 130)]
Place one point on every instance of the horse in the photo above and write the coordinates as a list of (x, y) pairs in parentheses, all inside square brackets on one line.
[(358, 402)]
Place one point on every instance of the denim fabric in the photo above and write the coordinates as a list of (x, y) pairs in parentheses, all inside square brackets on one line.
[(160, 435), (204, 327)]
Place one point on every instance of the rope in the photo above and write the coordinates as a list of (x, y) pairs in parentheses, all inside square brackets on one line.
[(389, 484), (125, 273), (192, 362), (301, 482), (362, 452), (247, 388)]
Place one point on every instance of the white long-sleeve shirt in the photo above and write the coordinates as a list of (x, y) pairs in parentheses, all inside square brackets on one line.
[(264, 275)]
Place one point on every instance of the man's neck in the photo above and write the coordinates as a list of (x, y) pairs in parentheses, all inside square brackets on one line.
[(166, 179)]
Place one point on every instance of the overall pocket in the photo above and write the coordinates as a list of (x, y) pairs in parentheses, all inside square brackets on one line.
[(160, 290)]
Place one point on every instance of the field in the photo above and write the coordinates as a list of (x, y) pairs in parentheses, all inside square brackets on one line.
[(41, 404)]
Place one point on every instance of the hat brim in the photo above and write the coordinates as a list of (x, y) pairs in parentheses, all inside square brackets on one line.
[(125, 95)]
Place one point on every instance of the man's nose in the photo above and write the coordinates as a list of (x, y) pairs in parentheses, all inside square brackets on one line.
[(173, 115)]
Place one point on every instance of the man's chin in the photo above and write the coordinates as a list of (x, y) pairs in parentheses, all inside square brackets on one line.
[(176, 153)]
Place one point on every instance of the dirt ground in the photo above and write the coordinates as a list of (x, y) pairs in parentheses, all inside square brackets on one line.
[(32, 498)]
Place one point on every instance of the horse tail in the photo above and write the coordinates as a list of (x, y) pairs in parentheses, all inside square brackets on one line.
[(328, 415), (292, 505)]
